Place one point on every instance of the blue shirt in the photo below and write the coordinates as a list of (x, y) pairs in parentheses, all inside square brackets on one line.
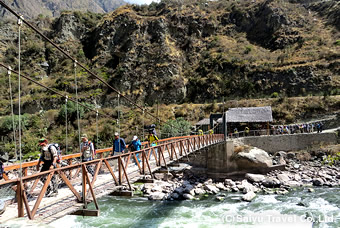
[(136, 144), (117, 147)]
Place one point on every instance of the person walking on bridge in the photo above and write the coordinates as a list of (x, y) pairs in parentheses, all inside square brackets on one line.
[(135, 145), (119, 144), (87, 152), (153, 140), (49, 156)]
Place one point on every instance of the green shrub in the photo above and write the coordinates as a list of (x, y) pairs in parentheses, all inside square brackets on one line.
[(274, 95), (332, 159), (337, 43), (176, 128)]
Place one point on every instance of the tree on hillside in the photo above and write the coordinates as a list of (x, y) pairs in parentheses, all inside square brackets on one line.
[(176, 127)]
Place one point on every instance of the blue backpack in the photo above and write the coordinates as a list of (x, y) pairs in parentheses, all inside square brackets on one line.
[(2, 170)]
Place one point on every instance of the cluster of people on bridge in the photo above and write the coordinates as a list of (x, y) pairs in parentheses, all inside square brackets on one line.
[(50, 157)]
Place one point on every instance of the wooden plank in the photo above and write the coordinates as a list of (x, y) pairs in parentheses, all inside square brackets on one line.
[(91, 190), (69, 185), (137, 162), (24, 197), (163, 159), (83, 171), (120, 174), (20, 200), (111, 171), (127, 178), (42, 193)]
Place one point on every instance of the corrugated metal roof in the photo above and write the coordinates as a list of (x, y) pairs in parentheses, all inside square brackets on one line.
[(250, 114)]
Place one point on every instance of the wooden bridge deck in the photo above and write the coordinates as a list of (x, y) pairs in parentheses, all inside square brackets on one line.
[(125, 170)]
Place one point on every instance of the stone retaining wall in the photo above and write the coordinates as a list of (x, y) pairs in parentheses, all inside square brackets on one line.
[(276, 143)]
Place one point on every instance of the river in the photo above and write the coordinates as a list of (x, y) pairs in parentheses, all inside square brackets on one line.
[(298, 208)]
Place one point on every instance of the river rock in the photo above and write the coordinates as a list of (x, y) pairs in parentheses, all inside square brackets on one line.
[(199, 191), (188, 196), (271, 182), (211, 188), (282, 161), (290, 155), (229, 182), (293, 184), (157, 188), (179, 190), (296, 166), (188, 188), (156, 196), (168, 176), (311, 190), (283, 178), (220, 198), (158, 176), (174, 195), (254, 159), (255, 177), (318, 182), (246, 187), (297, 177), (220, 186), (249, 196)]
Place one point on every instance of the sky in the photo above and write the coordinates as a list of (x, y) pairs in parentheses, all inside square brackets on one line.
[(141, 1)]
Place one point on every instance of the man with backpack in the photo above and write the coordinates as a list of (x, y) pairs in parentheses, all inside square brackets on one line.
[(49, 155), (87, 152), (119, 144), (2, 170)]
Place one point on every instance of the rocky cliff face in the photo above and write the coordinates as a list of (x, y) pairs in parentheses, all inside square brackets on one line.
[(198, 52), (32, 8)]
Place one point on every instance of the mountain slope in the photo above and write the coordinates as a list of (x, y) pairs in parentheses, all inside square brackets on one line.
[(191, 52), (52, 8)]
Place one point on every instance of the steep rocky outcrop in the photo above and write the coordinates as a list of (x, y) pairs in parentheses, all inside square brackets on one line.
[(32, 8), (192, 52)]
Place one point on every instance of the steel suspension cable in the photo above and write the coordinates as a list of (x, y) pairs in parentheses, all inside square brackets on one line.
[(53, 90), (74, 60), (118, 112), (19, 91), (97, 129), (12, 111), (76, 87), (66, 146)]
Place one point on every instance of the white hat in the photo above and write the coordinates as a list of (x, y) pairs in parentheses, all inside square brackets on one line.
[(135, 137), (116, 134)]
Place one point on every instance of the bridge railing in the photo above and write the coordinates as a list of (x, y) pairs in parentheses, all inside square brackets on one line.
[(116, 165), (101, 153)]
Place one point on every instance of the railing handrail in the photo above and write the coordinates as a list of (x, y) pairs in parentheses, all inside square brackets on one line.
[(77, 155)]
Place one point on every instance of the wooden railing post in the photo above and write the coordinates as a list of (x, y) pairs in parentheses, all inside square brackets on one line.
[(20, 200), (84, 185)]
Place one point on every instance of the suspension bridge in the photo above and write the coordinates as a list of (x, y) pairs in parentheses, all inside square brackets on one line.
[(26, 191)]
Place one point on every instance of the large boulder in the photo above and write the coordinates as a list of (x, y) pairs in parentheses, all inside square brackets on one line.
[(255, 159), (283, 178), (211, 188), (249, 196), (318, 182), (156, 196), (255, 177), (271, 182)]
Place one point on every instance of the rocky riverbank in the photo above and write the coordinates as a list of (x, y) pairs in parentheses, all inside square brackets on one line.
[(302, 170)]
